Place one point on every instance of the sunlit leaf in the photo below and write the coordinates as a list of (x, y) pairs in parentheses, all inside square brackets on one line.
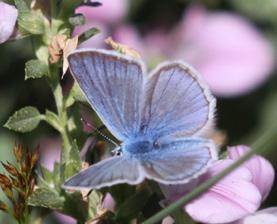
[(24, 120), (35, 69)]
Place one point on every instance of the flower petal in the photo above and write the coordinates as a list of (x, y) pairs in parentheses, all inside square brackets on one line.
[(223, 47), (230, 199), (8, 18), (261, 169), (265, 216), (111, 11)]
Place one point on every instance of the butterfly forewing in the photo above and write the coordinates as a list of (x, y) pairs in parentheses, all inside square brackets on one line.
[(113, 86), (176, 102)]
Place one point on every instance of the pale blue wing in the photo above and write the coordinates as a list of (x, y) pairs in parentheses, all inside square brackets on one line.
[(113, 85), (177, 102), (108, 172), (177, 161)]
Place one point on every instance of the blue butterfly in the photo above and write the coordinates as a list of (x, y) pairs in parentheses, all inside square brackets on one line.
[(158, 117)]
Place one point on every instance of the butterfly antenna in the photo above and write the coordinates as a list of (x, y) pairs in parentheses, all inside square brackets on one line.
[(99, 132)]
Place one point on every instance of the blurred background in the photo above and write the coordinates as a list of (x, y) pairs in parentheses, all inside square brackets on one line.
[(232, 43)]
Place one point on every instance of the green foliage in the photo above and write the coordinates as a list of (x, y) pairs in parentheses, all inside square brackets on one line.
[(35, 69), (24, 120), (73, 165), (94, 200), (31, 23), (88, 34), (77, 94), (52, 119), (133, 205), (47, 197), (22, 6), (77, 20)]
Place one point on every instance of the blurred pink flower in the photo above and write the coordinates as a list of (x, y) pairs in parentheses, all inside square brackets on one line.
[(265, 216), (237, 195), (110, 12), (108, 203), (128, 35), (50, 149), (230, 53), (8, 18), (64, 218), (104, 17), (233, 56)]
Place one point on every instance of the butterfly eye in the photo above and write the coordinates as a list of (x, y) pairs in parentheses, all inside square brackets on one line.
[(156, 144)]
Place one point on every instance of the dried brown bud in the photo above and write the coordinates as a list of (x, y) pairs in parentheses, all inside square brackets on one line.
[(4, 180), (3, 206), (21, 181), (56, 47), (8, 191), (28, 161), (15, 182), (35, 156), (70, 45), (122, 48), (10, 168), (18, 152)]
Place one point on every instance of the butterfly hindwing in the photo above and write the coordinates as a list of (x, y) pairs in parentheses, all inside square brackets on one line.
[(114, 170), (179, 160)]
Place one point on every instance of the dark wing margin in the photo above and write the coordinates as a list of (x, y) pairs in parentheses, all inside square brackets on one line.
[(113, 85)]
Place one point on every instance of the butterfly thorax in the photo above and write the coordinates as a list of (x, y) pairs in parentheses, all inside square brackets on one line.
[(138, 148)]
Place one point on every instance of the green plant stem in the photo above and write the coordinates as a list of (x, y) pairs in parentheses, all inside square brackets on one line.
[(53, 8), (62, 112), (258, 146)]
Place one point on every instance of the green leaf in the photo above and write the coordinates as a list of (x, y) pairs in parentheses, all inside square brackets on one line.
[(77, 20), (73, 165), (181, 217), (77, 93), (31, 23), (88, 34), (94, 200), (52, 119), (48, 198), (133, 206), (45, 179), (21, 6), (35, 69), (24, 120)]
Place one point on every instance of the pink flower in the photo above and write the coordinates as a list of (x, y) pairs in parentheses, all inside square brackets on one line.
[(64, 218), (110, 12), (50, 149), (233, 56), (104, 17), (237, 195), (108, 203), (8, 18), (128, 35), (266, 216), (222, 46)]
